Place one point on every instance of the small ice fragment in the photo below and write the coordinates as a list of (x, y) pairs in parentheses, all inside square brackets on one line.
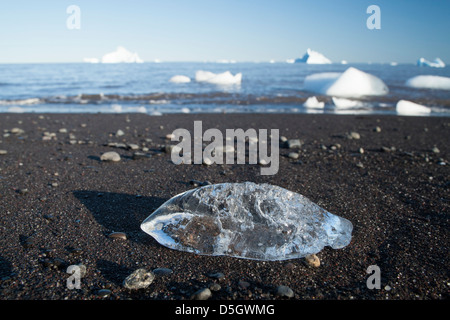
[(408, 108), (312, 102)]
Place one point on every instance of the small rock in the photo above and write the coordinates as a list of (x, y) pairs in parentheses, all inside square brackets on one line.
[(3, 152), (293, 155), (284, 291), (103, 293), (17, 131), (118, 235), (202, 294), (435, 150), (62, 130), (217, 275), (354, 135), (162, 271), (361, 150), (133, 146), (54, 184), (294, 143), (110, 156), (377, 129), (283, 139), (140, 155), (360, 165), (120, 133), (312, 260), (139, 279)]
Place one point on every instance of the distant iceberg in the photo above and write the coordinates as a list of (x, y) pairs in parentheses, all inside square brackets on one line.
[(352, 83), (436, 63), (312, 102), (408, 108), (180, 79), (224, 78), (313, 57), (429, 82), (91, 60), (121, 55)]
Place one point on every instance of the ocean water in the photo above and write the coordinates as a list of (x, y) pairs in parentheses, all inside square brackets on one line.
[(145, 87)]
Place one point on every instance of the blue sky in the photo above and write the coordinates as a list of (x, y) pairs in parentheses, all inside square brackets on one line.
[(244, 30)]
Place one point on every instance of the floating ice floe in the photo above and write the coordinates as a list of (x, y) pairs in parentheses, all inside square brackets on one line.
[(246, 220), (180, 79), (312, 102), (121, 55), (429, 82), (352, 83), (342, 103), (313, 57), (436, 63), (408, 108), (224, 78)]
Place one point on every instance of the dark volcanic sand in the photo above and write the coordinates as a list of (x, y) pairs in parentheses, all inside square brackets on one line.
[(398, 202)]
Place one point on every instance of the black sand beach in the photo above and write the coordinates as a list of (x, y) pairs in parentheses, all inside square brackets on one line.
[(59, 203)]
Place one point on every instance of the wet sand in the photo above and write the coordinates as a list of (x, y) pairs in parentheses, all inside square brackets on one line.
[(59, 203)]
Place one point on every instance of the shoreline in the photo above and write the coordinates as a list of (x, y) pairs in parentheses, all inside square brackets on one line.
[(60, 203)]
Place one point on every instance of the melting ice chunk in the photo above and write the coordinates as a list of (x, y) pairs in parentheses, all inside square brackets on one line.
[(225, 78), (429, 82), (352, 83), (246, 220), (408, 108)]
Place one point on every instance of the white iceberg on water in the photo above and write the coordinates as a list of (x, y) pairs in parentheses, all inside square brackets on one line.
[(313, 103), (224, 78), (180, 79), (313, 57), (352, 83), (436, 63), (429, 82), (121, 55), (408, 108)]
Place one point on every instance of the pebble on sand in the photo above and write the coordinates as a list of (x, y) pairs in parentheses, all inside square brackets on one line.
[(202, 294), (117, 235), (293, 155), (110, 156), (312, 260), (284, 291), (139, 279), (293, 143)]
